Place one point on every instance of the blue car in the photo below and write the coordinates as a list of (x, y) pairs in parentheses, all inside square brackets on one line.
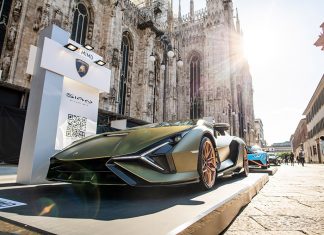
[(257, 157)]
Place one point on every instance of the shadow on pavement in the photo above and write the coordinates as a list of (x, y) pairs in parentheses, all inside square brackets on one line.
[(104, 203)]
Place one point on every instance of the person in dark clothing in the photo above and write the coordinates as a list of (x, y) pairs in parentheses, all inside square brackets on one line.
[(292, 159), (302, 157), (286, 159)]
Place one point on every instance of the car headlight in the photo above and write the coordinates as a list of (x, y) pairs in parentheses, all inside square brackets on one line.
[(162, 156), (157, 155)]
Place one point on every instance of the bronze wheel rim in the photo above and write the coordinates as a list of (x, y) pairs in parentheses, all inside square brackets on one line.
[(208, 164), (245, 163)]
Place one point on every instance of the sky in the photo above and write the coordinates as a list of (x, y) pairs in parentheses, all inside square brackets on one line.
[(286, 67)]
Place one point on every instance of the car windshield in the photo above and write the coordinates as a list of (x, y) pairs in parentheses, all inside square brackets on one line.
[(166, 124), (256, 148)]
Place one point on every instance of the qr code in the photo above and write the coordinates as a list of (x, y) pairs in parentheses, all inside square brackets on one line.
[(76, 127)]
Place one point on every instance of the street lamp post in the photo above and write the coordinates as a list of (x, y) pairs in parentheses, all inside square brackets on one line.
[(152, 58), (248, 133), (165, 61), (234, 122), (156, 71), (245, 132), (168, 54)]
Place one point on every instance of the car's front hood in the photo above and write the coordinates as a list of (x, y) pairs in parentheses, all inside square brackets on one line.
[(117, 143), (256, 156)]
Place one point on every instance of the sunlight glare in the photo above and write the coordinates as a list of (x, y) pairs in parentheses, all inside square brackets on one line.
[(261, 45)]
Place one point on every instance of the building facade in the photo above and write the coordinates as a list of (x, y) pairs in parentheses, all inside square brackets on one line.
[(283, 147), (309, 134), (320, 41), (259, 133), (315, 125), (299, 140), (204, 75)]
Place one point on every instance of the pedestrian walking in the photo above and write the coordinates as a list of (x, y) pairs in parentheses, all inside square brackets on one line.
[(286, 159), (292, 159), (302, 157)]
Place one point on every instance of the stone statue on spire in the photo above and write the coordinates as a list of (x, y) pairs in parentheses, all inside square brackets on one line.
[(179, 12), (238, 24), (192, 9)]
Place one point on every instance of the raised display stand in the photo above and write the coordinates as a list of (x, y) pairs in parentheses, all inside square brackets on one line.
[(187, 209), (63, 103), (270, 171)]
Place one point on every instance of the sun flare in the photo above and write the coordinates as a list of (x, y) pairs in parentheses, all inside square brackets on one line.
[(260, 47)]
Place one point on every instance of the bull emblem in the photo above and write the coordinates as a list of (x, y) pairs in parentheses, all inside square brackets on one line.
[(82, 67)]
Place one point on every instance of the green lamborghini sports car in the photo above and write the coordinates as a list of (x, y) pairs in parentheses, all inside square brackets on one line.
[(153, 155)]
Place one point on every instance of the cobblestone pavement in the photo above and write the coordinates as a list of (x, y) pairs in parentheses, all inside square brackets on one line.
[(7, 228), (291, 203)]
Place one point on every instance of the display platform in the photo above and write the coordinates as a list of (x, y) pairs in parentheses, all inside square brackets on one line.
[(8, 174), (63, 209), (271, 171)]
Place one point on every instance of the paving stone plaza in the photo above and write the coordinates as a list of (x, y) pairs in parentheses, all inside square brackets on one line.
[(291, 203)]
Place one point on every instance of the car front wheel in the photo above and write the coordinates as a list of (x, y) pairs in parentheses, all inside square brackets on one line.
[(207, 164), (246, 171)]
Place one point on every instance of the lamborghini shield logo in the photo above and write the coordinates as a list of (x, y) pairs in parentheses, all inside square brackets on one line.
[(82, 67)]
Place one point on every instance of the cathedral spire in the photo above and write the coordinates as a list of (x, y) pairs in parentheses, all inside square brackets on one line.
[(170, 15), (179, 13), (192, 8), (170, 9), (238, 24)]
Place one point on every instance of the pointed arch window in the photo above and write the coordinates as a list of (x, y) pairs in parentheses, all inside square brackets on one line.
[(125, 50), (240, 111), (196, 101), (157, 68), (4, 16), (80, 23)]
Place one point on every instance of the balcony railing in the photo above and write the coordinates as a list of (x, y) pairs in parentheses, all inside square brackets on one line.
[(198, 15)]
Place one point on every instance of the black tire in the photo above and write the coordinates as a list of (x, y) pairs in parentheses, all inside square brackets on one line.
[(207, 170)]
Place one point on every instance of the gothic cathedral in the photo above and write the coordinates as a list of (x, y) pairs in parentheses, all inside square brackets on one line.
[(165, 65)]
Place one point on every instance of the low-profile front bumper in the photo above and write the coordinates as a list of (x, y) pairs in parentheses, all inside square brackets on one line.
[(91, 171), (257, 163), (151, 167), (127, 172)]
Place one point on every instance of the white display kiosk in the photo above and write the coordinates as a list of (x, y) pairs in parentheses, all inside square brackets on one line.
[(63, 102)]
